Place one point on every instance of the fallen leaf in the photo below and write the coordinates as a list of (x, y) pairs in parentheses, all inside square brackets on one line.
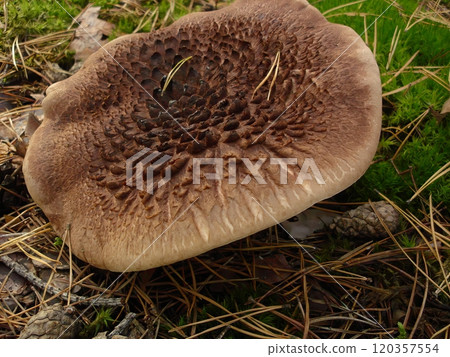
[(446, 107), (10, 132), (5, 103), (272, 269), (60, 280), (15, 283), (90, 34)]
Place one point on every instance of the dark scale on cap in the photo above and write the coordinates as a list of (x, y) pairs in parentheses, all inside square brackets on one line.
[(213, 89)]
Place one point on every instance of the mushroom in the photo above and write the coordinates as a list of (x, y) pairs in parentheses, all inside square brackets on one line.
[(287, 103)]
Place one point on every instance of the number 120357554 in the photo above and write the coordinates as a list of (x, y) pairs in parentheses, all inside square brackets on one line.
[(425, 348)]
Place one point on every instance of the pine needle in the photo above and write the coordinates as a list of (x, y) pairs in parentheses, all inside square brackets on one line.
[(277, 59), (275, 64), (173, 71), (394, 43), (401, 69), (341, 6), (438, 174)]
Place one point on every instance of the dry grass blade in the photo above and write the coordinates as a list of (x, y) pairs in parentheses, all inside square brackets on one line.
[(16, 47), (437, 175), (306, 298), (400, 71), (13, 54), (38, 257), (143, 22), (246, 332), (274, 64), (366, 34), (375, 37), (409, 85), (424, 273), (351, 14), (414, 14), (5, 15), (445, 329), (424, 300), (235, 315), (419, 120), (394, 43), (317, 320), (169, 13), (437, 79), (173, 71), (435, 248), (355, 251), (34, 54), (438, 14), (13, 242), (341, 6), (49, 41), (271, 330), (277, 67)]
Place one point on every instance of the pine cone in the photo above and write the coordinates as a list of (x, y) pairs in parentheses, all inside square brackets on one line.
[(52, 322), (363, 222)]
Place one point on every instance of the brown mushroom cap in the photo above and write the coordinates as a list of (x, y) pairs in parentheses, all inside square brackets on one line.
[(100, 117)]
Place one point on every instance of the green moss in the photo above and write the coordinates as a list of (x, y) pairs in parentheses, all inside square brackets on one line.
[(58, 242), (235, 299), (101, 323), (35, 17), (427, 149), (407, 241), (425, 153), (106, 4), (180, 9), (381, 176), (402, 334)]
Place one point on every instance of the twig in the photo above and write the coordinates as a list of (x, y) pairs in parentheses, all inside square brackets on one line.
[(123, 325), (39, 283)]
